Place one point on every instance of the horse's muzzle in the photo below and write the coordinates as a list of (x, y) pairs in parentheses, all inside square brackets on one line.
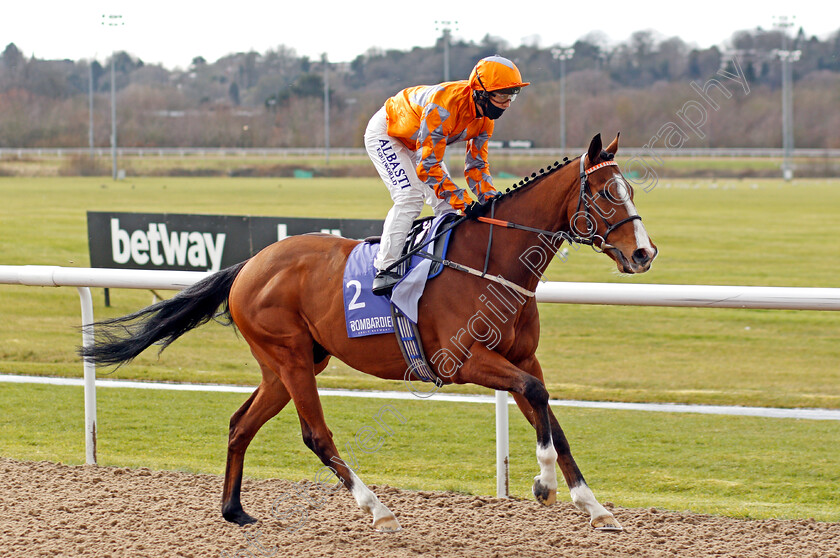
[(639, 262)]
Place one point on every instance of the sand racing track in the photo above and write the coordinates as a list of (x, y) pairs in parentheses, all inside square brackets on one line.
[(49, 509)]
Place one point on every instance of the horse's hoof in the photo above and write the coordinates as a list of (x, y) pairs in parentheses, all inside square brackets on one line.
[(388, 524), (544, 495), (239, 517), (606, 523)]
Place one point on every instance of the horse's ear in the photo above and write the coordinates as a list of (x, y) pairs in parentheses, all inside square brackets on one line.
[(594, 150), (613, 147)]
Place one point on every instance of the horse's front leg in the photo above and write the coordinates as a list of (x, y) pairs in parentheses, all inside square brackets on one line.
[(490, 369), (582, 496), (545, 484)]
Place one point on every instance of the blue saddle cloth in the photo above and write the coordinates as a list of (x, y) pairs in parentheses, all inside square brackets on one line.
[(368, 314), (364, 312)]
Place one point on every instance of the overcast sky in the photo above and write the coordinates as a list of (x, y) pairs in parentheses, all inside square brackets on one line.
[(173, 32)]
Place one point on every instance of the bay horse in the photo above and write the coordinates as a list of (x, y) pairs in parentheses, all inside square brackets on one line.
[(287, 303)]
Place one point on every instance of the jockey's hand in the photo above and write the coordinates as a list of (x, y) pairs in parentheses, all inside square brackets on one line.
[(490, 195), (476, 209)]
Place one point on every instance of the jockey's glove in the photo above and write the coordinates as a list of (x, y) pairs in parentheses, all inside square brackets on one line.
[(476, 209)]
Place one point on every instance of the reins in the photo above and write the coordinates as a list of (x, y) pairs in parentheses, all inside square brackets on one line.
[(582, 203), (483, 274), (418, 251), (588, 240)]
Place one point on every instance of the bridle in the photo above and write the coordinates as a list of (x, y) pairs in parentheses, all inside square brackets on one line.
[(582, 202), (583, 208)]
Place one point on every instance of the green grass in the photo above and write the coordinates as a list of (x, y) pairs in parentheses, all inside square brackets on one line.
[(751, 232), (737, 466)]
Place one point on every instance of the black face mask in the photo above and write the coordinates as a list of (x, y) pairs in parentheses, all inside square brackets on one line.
[(490, 110)]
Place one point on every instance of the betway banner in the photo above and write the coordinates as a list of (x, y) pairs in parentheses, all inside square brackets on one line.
[(199, 242)]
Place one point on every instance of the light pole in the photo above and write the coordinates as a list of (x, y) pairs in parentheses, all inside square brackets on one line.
[(787, 56), (113, 21), (326, 107), (90, 108), (113, 121), (446, 28), (562, 54)]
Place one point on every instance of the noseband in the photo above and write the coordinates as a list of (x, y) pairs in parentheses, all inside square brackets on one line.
[(582, 203)]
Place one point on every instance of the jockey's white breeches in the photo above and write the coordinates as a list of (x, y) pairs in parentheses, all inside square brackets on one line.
[(395, 164)]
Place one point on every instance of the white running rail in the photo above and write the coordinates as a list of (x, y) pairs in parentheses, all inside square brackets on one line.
[(699, 296)]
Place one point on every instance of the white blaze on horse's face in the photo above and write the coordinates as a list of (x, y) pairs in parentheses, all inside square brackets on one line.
[(623, 194), (644, 253)]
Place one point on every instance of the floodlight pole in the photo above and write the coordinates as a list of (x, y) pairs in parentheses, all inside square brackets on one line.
[(90, 108), (787, 56), (326, 108), (562, 54), (113, 21), (446, 72), (113, 121), (446, 28)]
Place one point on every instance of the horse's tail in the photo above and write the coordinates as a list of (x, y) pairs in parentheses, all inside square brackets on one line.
[(119, 340)]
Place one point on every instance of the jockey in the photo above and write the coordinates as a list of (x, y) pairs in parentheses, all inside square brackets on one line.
[(406, 140)]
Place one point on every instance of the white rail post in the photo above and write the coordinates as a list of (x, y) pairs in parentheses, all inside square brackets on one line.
[(90, 377), (502, 453)]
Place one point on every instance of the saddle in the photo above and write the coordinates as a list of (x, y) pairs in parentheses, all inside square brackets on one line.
[(417, 236), (367, 314)]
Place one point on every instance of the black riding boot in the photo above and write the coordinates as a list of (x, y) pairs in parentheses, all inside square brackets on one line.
[(384, 282)]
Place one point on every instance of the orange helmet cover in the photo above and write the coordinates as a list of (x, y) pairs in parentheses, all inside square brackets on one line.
[(494, 73)]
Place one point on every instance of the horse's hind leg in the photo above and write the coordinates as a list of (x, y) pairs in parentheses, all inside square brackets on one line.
[(383, 519), (269, 399), (298, 377)]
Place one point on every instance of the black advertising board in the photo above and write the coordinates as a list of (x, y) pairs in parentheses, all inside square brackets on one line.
[(185, 242)]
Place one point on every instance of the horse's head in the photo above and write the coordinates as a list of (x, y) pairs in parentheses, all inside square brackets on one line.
[(606, 216)]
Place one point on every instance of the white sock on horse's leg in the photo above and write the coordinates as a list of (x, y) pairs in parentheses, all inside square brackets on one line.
[(599, 516), (545, 484), (383, 518)]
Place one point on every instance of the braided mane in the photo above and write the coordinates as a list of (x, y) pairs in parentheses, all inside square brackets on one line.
[(543, 172), (533, 177)]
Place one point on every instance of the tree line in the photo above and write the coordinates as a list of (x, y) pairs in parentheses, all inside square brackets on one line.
[(276, 99)]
